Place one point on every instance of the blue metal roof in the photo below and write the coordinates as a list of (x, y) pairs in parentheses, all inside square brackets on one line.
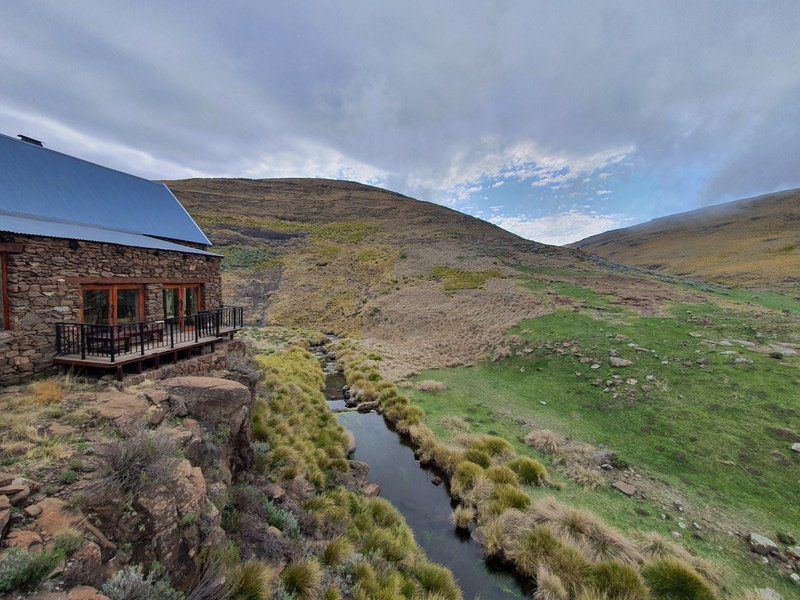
[(45, 184), (72, 231)]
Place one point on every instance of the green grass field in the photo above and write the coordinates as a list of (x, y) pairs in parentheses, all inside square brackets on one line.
[(716, 431)]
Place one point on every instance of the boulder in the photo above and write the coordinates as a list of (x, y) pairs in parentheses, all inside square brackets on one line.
[(274, 492), (85, 592), (625, 488), (366, 407), (767, 594), (84, 566), (122, 408), (762, 545), (796, 447), (25, 540), (56, 517), (180, 521), (794, 552), (371, 490), (616, 361)]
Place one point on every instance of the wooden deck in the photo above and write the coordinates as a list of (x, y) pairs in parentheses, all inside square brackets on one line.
[(137, 359)]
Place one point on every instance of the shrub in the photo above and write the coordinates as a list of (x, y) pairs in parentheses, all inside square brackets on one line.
[(478, 457), (131, 584), (673, 579), (619, 581), (282, 519), (302, 579), (549, 586), (464, 477), (462, 516), (68, 476), (543, 440), (438, 581), (529, 471), (253, 580), (431, 386), (22, 570), (505, 496), (502, 474), (145, 456)]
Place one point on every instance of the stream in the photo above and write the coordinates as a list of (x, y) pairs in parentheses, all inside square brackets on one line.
[(425, 506)]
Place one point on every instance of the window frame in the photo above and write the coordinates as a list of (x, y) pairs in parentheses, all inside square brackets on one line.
[(112, 299), (181, 287)]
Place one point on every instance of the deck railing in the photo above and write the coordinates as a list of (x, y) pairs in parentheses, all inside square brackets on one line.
[(124, 339)]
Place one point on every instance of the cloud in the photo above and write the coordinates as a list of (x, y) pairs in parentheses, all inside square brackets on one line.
[(562, 228), (437, 100)]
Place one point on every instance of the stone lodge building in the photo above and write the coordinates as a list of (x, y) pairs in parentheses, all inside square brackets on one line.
[(98, 268)]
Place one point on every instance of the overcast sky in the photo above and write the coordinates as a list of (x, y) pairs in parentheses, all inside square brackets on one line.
[(556, 120)]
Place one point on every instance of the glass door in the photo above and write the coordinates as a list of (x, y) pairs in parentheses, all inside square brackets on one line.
[(113, 304), (172, 301), (191, 295)]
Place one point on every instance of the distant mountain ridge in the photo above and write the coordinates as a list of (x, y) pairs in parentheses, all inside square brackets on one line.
[(754, 242)]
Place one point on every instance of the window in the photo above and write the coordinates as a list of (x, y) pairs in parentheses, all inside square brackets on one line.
[(181, 300), (113, 304), (3, 293)]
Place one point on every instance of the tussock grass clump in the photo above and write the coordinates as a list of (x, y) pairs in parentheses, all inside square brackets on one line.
[(462, 516), (619, 582), (549, 585), (431, 386), (505, 496), (302, 579), (337, 551), (254, 580), (674, 579), (501, 474), (544, 440), (540, 547), (497, 533), (436, 581), (529, 470), (455, 424), (494, 446), (590, 478), (464, 478), (478, 457)]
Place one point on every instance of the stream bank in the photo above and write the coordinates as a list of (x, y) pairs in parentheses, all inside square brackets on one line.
[(425, 506)]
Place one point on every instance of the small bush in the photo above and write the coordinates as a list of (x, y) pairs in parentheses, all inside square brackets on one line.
[(543, 440), (22, 570), (529, 471), (68, 477), (144, 457), (673, 579), (619, 581), (131, 584), (302, 579), (502, 474), (282, 519)]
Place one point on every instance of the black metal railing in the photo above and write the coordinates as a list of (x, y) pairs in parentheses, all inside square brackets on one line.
[(124, 339)]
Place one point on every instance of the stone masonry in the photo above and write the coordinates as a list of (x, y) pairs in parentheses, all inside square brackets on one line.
[(44, 287)]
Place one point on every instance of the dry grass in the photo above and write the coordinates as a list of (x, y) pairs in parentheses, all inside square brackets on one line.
[(462, 516), (431, 386), (455, 424), (48, 391), (544, 440), (590, 477), (549, 586)]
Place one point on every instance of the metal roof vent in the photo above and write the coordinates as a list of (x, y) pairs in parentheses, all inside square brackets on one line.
[(30, 140)]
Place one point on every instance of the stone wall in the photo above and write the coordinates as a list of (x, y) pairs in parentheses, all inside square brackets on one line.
[(44, 287)]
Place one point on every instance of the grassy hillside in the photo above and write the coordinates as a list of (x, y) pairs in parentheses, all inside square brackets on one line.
[(754, 243), (519, 337)]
